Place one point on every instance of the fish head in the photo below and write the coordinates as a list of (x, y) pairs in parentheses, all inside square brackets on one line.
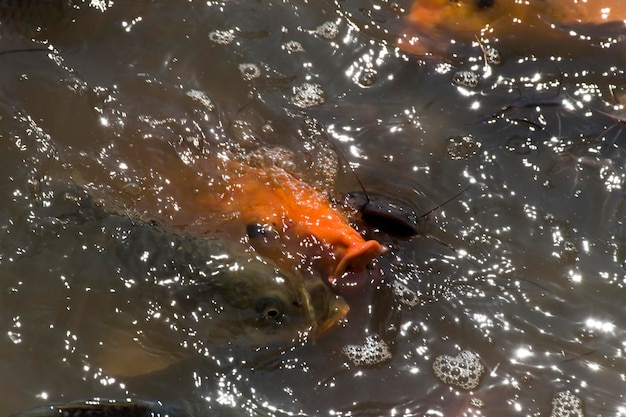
[(260, 304)]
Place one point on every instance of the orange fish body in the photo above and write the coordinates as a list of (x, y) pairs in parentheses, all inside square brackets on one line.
[(274, 197), (431, 24)]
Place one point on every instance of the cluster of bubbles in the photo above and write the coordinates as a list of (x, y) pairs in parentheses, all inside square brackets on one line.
[(308, 95), (405, 295), (462, 147), (373, 351), (305, 95), (293, 47), (366, 77), (465, 78), (470, 78), (201, 98), (222, 37), (463, 370), (492, 55), (566, 404), (249, 71), (327, 30)]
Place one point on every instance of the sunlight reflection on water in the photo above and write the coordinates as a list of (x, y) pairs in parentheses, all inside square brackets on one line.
[(524, 270)]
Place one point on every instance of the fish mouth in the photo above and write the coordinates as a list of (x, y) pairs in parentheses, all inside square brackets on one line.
[(338, 310), (325, 308)]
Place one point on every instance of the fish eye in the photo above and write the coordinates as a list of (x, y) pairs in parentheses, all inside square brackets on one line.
[(270, 308)]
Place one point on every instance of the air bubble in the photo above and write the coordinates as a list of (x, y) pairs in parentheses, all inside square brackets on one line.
[(366, 77), (308, 95), (249, 71), (566, 404), (462, 147), (222, 37), (373, 351), (467, 79), (293, 47), (201, 98), (492, 55), (405, 295), (327, 30), (463, 370), (477, 402)]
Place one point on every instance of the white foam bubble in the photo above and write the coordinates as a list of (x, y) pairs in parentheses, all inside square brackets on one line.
[(467, 79), (327, 30), (492, 55), (201, 98), (222, 37), (366, 77), (308, 95), (463, 370), (373, 351), (249, 71), (566, 404), (405, 295), (293, 47)]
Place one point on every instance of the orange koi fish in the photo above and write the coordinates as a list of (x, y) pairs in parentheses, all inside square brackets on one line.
[(432, 23), (272, 196), (212, 192)]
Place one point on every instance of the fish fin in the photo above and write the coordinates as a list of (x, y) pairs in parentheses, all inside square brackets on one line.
[(124, 355)]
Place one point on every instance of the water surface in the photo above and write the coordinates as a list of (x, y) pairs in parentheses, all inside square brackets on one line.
[(525, 269)]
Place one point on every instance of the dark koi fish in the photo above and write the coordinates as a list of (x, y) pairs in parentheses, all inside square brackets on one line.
[(109, 408), (214, 291)]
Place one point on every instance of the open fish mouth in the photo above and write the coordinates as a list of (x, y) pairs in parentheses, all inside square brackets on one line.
[(327, 309)]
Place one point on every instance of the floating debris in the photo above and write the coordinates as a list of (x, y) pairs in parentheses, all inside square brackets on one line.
[(463, 370), (373, 351)]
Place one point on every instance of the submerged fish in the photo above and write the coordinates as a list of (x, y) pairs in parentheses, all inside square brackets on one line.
[(432, 23), (275, 197), (210, 293), (210, 192), (33, 16), (32, 9), (109, 408)]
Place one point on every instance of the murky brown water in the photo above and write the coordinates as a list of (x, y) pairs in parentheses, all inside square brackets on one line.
[(532, 281)]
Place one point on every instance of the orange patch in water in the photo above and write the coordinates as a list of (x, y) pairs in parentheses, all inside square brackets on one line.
[(432, 24), (275, 197), (211, 190)]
